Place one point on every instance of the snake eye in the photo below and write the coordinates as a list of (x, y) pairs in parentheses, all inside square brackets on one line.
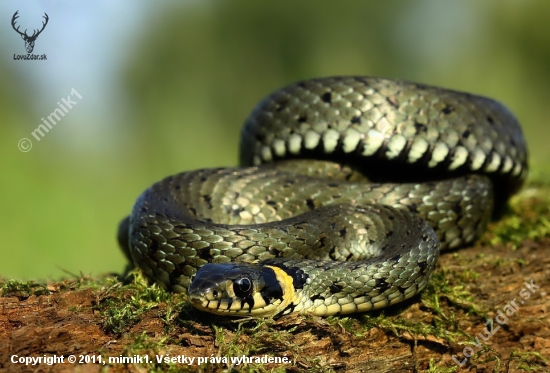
[(243, 287)]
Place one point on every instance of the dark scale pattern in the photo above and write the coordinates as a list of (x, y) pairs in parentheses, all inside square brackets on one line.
[(375, 174)]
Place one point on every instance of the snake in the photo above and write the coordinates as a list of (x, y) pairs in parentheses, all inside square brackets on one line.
[(348, 189)]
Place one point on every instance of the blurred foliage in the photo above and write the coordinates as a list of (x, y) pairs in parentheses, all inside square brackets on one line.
[(194, 73)]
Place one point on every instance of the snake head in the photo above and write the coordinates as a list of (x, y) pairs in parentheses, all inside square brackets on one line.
[(239, 289)]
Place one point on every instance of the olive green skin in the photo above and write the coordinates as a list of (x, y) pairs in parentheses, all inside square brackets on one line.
[(376, 174)]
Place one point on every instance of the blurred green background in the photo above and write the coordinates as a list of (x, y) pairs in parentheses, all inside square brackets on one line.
[(167, 85)]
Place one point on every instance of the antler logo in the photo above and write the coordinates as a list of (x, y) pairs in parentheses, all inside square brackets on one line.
[(29, 40)]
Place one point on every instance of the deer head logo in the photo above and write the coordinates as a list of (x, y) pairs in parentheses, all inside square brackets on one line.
[(29, 40)]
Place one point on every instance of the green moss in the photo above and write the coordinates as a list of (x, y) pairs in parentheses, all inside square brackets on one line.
[(397, 325), (256, 337), (528, 361), (122, 305), (529, 218), (22, 289), (345, 323), (442, 287), (433, 368)]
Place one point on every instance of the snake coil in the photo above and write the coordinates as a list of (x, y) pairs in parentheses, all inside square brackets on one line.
[(349, 188)]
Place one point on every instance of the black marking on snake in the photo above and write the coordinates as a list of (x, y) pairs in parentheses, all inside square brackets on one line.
[(381, 284), (317, 296), (299, 277), (227, 209), (488, 159), (466, 134), (327, 97), (420, 127), (310, 203), (490, 119), (237, 211), (423, 161), (335, 288), (302, 119), (448, 109), (422, 265), (382, 150), (229, 303), (402, 289), (249, 301), (288, 309), (500, 168), (446, 162), (332, 251), (404, 154), (268, 296), (155, 246), (339, 145), (208, 200), (204, 254), (356, 120), (342, 232), (319, 149), (260, 137), (456, 208)]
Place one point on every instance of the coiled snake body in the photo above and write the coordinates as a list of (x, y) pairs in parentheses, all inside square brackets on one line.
[(349, 188)]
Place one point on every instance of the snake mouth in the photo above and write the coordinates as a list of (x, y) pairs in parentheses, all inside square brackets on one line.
[(201, 301)]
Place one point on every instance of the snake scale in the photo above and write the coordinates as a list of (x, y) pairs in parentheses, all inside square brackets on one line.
[(348, 190)]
